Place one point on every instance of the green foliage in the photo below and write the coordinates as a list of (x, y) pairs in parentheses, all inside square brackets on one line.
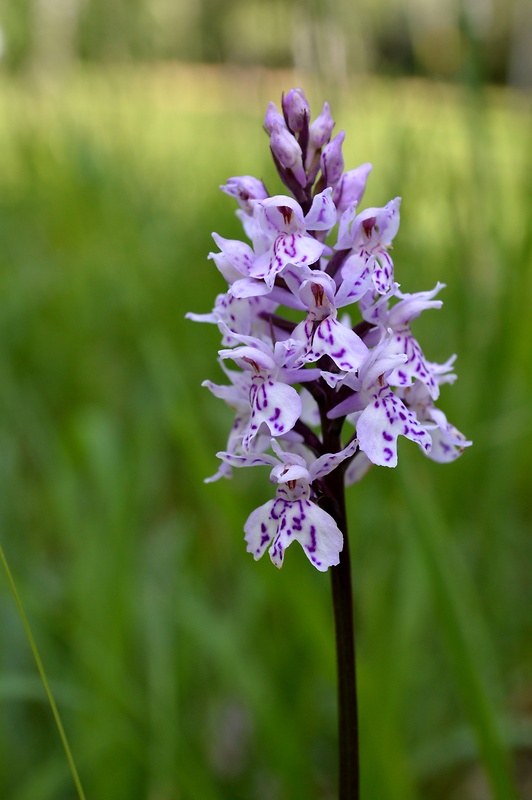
[(183, 669), (464, 41)]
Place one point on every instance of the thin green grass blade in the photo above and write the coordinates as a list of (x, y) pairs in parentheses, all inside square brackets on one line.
[(42, 673)]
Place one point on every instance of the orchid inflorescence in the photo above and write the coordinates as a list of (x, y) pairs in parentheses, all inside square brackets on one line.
[(299, 381)]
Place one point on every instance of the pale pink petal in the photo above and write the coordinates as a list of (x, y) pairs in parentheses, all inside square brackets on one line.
[(322, 214), (326, 463), (260, 529), (319, 536), (381, 422), (274, 404), (238, 254)]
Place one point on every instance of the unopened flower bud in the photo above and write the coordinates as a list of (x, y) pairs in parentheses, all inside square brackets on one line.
[(273, 118), (320, 130), (288, 152), (332, 160), (245, 188), (296, 109), (351, 187)]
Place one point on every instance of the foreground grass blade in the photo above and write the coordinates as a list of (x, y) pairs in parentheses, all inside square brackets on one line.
[(42, 673)]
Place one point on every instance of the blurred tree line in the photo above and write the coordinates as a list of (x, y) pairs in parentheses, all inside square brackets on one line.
[(476, 40)]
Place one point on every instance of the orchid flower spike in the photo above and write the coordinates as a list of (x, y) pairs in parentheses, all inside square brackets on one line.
[(326, 375)]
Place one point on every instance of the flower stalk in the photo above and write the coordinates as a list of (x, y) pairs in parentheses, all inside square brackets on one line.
[(348, 751), (347, 703)]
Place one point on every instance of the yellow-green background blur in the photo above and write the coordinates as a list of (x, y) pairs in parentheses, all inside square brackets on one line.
[(182, 669)]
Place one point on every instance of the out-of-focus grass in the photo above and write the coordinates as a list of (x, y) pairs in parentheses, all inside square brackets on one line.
[(182, 668)]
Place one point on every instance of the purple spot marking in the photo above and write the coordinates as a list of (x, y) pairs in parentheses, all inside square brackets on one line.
[(311, 548), (264, 538), (368, 225), (287, 213), (289, 245)]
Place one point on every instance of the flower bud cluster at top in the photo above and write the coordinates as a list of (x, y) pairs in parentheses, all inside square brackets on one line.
[(293, 384)]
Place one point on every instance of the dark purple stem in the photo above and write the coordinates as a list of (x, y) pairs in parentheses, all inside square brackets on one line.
[(336, 262), (309, 437), (334, 503), (301, 194)]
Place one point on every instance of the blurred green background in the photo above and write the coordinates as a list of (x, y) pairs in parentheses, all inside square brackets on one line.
[(183, 669)]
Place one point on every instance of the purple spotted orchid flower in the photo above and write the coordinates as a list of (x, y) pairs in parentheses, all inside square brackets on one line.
[(345, 352), (294, 514)]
